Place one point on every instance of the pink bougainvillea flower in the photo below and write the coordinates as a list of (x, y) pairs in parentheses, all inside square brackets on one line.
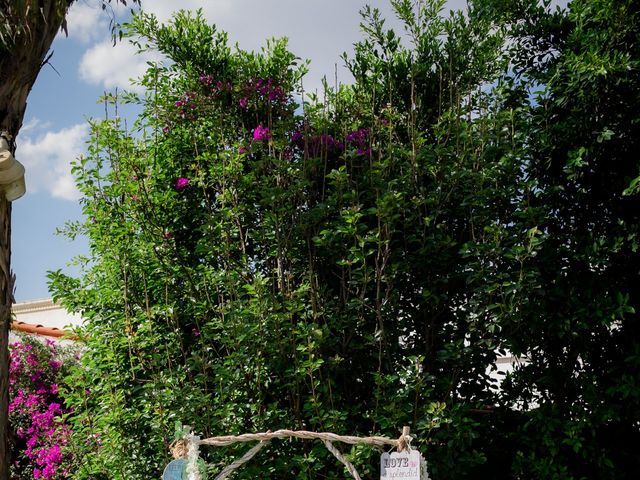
[(243, 150), (181, 183), (243, 102), (261, 133), (38, 410)]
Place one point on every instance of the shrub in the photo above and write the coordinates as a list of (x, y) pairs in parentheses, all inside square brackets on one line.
[(40, 432)]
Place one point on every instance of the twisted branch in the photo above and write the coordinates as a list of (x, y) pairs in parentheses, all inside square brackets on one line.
[(326, 437), (241, 461), (323, 436)]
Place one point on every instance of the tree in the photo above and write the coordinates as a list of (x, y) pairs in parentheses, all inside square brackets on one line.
[(263, 263), (574, 299), (355, 262), (27, 29)]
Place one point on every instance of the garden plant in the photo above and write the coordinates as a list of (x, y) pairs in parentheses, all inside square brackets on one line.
[(355, 260), (40, 433)]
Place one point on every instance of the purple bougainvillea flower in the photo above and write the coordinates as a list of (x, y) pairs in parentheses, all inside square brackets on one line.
[(277, 93), (55, 364), (261, 133), (195, 332), (244, 102), (296, 136), (358, 137), (182, 183), (206, 80), (243, 150)]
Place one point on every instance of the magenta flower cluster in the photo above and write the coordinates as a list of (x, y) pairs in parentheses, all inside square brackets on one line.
[(186, 105), (360, 140), (36, 412), (318, 145), (215, 86), (181, 183), (257, 88), (269, 90), (261, 133)]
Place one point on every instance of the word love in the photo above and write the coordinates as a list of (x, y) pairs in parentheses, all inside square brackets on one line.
[(396, 462), (404, 465)]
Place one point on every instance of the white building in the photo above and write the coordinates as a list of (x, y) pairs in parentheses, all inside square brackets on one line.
[(43, 318)]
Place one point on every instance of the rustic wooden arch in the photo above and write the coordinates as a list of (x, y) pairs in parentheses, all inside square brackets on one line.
[(188, 447)]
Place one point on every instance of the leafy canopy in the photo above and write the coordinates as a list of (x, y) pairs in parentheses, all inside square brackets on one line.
[(264, 258)]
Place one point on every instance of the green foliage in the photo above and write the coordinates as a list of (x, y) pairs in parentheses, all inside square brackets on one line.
[(575, 315), (357, 264)]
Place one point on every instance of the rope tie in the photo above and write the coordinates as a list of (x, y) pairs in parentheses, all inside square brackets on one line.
[(179, 448), (404, 442)]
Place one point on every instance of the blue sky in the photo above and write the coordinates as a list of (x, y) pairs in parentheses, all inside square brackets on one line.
[(86, 64)]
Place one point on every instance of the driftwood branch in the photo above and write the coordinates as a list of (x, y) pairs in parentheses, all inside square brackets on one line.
[(325, 437)]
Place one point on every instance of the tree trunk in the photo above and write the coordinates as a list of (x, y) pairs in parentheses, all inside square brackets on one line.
[(34, 25), (6, 297)]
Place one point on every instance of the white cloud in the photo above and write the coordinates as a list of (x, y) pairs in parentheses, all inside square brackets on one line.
[(320, 30), (113, 66), (211, 9), (47, 159), (33, 124), (86, 21)]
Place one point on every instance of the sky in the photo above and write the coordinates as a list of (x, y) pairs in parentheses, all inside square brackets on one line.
[(86, 64)]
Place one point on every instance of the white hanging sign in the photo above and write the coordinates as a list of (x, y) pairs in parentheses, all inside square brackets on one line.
[(405, 465)]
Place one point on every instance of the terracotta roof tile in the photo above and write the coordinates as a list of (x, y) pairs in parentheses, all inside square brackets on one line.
[(40, 330)]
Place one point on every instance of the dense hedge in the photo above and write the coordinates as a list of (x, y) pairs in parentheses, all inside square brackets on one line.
[(263, 258)]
